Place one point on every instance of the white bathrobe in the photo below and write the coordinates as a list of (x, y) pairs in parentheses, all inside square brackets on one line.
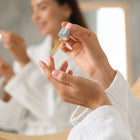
[(121, 121), (35, 107)]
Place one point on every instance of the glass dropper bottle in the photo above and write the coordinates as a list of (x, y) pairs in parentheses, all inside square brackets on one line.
[(63, 35)]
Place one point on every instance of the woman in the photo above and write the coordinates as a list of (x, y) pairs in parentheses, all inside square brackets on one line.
[(103, 115), (37, 107)]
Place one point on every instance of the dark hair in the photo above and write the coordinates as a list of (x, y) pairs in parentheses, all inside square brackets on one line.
[(76, 16)]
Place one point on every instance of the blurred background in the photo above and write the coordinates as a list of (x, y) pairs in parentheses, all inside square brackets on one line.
[(116, 23)]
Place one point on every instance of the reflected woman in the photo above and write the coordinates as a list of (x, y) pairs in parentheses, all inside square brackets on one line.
[(30, 106)]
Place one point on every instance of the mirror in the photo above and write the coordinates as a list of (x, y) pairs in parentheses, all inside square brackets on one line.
[(110, 21)]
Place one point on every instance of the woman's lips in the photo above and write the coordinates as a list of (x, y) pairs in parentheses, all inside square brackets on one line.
[(41, 26)]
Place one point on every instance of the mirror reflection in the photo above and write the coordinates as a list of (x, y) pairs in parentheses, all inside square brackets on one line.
[(24, 88), (28, 32)]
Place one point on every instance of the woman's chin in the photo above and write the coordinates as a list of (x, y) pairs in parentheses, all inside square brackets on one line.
[(43, 34)]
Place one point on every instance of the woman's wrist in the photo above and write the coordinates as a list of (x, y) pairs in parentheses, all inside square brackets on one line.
[(25, 62), (104, 76), (9, 77), (101, 100)]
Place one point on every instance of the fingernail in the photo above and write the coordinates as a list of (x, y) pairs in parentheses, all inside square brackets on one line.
[(48, 60), (41, 64), (72, 28), (55, 73)]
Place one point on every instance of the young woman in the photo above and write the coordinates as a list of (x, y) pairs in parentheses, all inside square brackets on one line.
[(32, 106), (108, 110)]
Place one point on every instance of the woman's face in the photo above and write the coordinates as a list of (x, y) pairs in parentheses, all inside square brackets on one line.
[(48, 15)]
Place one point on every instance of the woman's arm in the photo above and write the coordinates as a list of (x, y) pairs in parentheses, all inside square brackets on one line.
[(104, 123)]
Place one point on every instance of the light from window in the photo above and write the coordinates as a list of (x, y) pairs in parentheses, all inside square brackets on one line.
[(112, 36)]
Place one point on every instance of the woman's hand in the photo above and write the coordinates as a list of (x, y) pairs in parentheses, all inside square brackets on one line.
[(75, 90), (16, 45), (6, 71), (88, 54)]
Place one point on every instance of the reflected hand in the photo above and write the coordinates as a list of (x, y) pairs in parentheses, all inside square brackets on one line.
[(76, 90), (16, 45), (6, 71), (88, 54)]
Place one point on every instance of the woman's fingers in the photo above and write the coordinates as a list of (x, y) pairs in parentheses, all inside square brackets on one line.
[(61, 87), (79, 33), (8, 36), (11, 40), (51, 63), (64, 48), (64, 66), (46, 69), (70, 72), (5, 70), (63, 24), (65, 78), (48, 72), (71, 42)]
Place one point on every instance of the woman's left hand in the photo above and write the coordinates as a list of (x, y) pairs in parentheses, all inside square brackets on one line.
[(6, 71), (51, 66), (16, 45), (75, 90)]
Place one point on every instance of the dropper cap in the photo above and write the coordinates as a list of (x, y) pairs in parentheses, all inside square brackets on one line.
[(64, 32)]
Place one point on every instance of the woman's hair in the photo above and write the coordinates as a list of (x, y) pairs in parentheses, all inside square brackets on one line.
[(76, 16)]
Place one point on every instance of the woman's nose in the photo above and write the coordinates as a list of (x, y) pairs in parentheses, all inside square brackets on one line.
[(35, 16)]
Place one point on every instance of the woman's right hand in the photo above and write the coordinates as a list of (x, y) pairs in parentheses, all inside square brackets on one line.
[(88, 54), (6, 71), (15, 44)]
